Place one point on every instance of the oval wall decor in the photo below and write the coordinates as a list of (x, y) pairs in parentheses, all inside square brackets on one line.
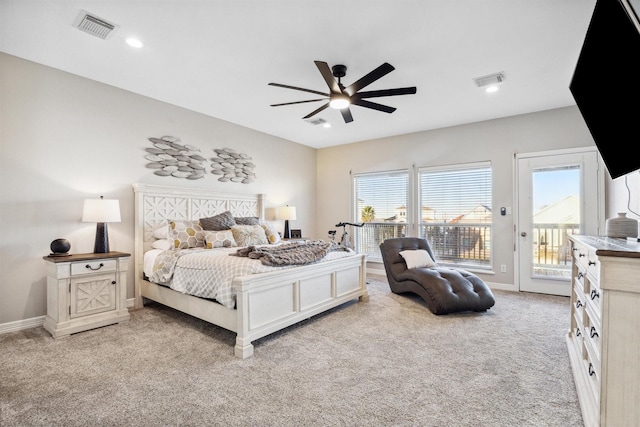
[(233, 166), (169, 157)]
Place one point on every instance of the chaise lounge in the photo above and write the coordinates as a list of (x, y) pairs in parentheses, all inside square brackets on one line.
[(411, 267)]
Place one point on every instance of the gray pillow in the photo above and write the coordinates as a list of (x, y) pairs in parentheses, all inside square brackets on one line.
[(247, 220), (223, 221)]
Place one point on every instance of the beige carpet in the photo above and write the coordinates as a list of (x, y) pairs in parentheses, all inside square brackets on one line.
[(386, 362)]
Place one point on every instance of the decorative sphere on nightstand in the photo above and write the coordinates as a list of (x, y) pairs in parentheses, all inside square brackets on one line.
[(60, 246)]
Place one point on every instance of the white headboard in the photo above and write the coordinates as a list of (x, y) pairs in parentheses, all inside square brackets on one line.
[(155, 204)]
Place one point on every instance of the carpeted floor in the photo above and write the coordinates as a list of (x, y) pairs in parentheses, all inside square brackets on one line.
[(386, 362)]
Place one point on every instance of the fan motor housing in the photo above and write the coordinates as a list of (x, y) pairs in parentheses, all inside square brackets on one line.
[(339, 70)]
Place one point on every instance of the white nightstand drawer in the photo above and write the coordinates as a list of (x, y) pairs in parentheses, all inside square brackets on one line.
[(91, 267)]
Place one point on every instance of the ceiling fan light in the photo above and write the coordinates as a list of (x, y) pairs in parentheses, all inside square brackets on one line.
[(339, 102)]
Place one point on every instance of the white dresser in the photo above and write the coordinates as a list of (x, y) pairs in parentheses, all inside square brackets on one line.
[(604, 339), (86, 291)]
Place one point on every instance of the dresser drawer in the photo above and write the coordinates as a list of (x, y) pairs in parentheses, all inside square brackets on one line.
[(91, 267)]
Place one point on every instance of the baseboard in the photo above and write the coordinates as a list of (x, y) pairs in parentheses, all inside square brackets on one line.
[(35, 322), (19, 325)]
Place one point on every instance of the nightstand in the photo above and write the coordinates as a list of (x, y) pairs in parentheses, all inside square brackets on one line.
[(86, 291)]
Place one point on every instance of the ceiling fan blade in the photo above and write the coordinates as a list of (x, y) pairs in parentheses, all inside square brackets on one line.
[(313, 113), (324, 69), (299, 88), (297, 102), (373, 105), (346, 115), (386, 92), (379, 72)]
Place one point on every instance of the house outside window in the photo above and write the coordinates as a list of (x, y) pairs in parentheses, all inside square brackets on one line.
[(452, 210)]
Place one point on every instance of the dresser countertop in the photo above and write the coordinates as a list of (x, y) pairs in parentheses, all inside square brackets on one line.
[(610, 246)]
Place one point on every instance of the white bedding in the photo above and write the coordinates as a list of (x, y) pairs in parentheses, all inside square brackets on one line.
[(208, 273)]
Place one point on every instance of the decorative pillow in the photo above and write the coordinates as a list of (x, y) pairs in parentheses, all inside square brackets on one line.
[(417, 258), (164, 244), (247, 220), (161, 231), (219, 239), (186, 234), (223, 221), (271, 233), (246, 235)]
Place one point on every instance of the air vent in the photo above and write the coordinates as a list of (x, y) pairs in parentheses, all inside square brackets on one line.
[(95, 26), (491, 79), (318, 121)]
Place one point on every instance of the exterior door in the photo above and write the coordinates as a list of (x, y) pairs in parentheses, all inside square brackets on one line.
[(559, 193)]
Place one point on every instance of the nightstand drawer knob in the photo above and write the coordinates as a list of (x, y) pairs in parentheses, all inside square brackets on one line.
[(113, 283), (94, 269)]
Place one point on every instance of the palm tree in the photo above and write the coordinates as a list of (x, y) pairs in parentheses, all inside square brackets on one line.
[(368, 214)]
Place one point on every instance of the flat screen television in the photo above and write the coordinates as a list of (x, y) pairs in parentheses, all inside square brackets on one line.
[(606, 83)]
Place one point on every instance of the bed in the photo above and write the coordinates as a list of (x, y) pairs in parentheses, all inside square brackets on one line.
[(264, 302)]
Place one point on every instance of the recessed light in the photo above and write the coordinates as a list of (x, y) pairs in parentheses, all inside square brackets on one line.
[(491, 89), (326, 125), (133, 42)]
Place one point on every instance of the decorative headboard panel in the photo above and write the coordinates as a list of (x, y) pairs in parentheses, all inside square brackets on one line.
[(155, 204)]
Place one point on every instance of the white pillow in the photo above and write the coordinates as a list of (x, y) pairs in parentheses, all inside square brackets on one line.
[(417, 258), (163, 244), (161, 231), (246, 235)]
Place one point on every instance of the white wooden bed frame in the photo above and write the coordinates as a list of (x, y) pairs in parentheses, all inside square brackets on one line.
[(265, 302)]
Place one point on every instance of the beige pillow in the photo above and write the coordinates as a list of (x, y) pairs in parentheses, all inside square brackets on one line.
[(186, 234), (271, 233), (247, 235), (219, 239), (417, 258)]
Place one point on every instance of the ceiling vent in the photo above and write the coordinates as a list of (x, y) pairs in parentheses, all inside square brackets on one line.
[(318, 121), (93, 25), (491, 79)]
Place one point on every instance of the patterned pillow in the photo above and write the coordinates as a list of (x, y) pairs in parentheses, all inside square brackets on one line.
[(246, 235), (223, 221), (219, 239), (272, 235), (247, 220), (186, 234)]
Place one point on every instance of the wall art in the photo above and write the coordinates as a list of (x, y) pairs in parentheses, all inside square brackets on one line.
[(231, 166), (169, 157)]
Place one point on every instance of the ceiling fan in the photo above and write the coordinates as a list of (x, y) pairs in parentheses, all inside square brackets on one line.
[(341, 97)]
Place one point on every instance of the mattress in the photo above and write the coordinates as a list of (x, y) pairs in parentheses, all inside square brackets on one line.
[(208, 273)]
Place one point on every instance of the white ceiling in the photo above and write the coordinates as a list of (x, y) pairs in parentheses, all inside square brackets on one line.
[(217, 57)]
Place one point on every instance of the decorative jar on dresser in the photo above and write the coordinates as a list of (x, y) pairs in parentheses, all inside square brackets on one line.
[(604, 338), (86, 291)]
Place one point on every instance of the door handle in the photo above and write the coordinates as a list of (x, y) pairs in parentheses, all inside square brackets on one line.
[(523, 234)]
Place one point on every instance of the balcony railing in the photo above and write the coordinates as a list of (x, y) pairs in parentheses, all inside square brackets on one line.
[(469, 245)]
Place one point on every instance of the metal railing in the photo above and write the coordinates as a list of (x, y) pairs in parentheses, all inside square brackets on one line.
[(468, 244)]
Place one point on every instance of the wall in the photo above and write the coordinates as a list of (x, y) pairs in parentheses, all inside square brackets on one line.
[(496, 141), (65, 138)]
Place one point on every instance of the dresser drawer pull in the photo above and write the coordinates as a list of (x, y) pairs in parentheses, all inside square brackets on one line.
[(578, 333), (594, 294), (592, 263), (580, 275), (94, 269), (580, 254), (594, 333), (578, 304), (592, 371)]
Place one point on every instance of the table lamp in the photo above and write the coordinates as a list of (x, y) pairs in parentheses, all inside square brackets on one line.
[(287, 213), (101, 211)]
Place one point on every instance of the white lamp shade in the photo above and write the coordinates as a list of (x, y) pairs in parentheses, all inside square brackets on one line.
[(101, 210), (287, 212)]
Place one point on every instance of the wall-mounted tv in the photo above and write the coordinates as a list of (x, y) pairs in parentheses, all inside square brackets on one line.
[(606, 83)]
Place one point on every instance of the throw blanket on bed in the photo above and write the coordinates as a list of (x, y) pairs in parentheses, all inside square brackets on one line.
[(291, 253)]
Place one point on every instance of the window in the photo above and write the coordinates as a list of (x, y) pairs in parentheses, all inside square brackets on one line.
[(380, 202), (455, 213)]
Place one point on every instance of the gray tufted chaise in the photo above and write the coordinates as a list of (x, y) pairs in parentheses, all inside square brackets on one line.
[(444, 289)]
